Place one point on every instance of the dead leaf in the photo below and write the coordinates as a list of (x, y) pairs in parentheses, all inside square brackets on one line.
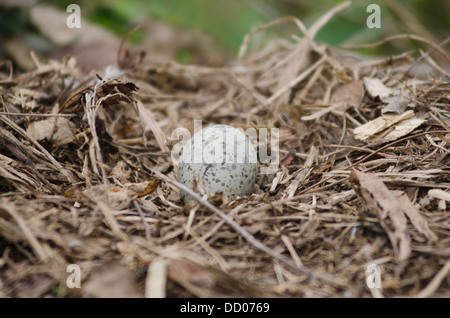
[(379, 124), (92, 45), (396, 104), (377, 198), (20, 53), (416, 219), (125, 89), (404, 127), (52, 23), (351, 93), (287, 159), (111, 280), (376, 88), (57, 129), (118, 198), (209, 282), (143, 188)]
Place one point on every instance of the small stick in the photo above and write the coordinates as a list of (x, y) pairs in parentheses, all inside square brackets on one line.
[(367, 157), (250, 238), (401, 36), (22, 132), (41, 253), (142, 216), (435, 282), (37, 115)]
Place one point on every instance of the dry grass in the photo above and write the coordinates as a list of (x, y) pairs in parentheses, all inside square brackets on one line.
[(108, 192)]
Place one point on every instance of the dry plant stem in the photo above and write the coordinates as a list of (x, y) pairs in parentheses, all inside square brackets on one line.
[(435, 282), (401, 36), (111, 220), (248, 237), (74, 95), (359, 149), (258, 98), (427, 58), (295, 81), (244, 44), (327, 17), (142, 216), (91, 113), (10, 64), (155, 283), (66, 173), (366, 158), (149, 122), (409, 19), (37, 115), (122, 42), (309, 34), (40, 251)]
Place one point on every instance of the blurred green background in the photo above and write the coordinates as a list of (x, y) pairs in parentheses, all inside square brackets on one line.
[(227, 21)]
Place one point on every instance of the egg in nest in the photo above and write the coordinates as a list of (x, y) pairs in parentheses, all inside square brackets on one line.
[(222, 158)]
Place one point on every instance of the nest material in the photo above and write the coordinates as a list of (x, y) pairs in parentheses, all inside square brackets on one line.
[(94, 184)]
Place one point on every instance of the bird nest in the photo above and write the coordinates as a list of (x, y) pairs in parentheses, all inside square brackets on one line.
[(361, 190)]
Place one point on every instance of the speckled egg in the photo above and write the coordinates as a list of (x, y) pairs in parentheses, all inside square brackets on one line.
[(223, 158)]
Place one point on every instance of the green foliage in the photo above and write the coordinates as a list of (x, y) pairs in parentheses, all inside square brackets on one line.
[(12, 21), (228, 21), (117, 22)]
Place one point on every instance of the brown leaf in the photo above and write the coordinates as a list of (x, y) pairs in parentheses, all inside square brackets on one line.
[(417, 220), (209, 282), (376, 88), (111, 280), (118, 198), (95, 46), (143, 188), (55, 129), (377, 198), (379, 124), (287, 159), (125, 90), (351, 93)]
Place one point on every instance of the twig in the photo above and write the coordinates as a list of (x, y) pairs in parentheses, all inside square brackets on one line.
[(250, 238), (435, 282), (65, 172), (295, 81), (327, 17), (38, 249), (122, 43), (366, 158), (37, 115), (282, 20), (155, 283), (401, 36), (142, 216)]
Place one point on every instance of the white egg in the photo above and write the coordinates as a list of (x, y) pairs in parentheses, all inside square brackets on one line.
[(222, 158)]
